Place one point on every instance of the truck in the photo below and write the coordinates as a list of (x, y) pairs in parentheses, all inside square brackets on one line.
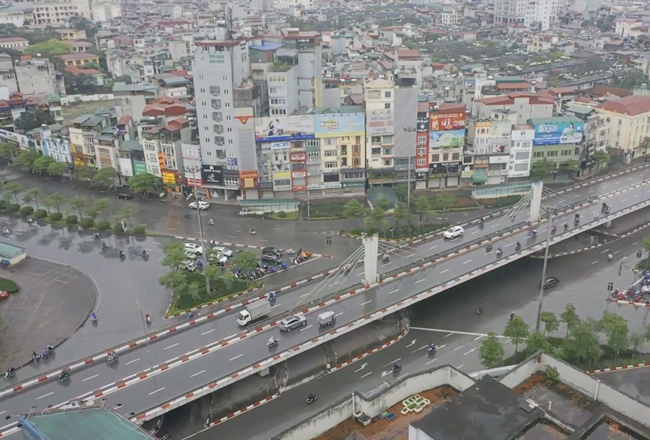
[(253, 312)]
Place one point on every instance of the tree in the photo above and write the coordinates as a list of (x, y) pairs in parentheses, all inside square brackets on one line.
[(213, 272), (245, 260), (541, 168), (517, 330), (85, 172), (104, 178), (194, 291), (101, 205), (421, 208), (49, 49), (376, 220), (174, 256), (126, 213), (143, 183), (54, 200), (569, 317), (617, 331), (83, 24), (402, 215), (583, 344), (646, 243), (571, 167), (26, 158), (491, 351), (41, 164), (31, 119), (78, 203), (537, 341), (644, 145), (32, 195), (125, 79), (600, 157), (80, 83), (9, 149), (14, 189), (58, 169), (636, 342), (402, 191), (550, 321), (443, 200), (384, 204), (175, 280), (353, 209)]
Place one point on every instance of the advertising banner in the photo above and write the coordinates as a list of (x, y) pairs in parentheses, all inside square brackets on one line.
[(139, 167), (168, 177), (284, 128), (212, 174), (248, 175), (447, 121), (298, 157), (300, 174), (380, 122), (126, 169), (279, 145), (559, 132), (335, 125), (446, 139)]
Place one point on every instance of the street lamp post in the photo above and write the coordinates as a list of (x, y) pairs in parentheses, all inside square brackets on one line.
[(408, 183), (541, 287), (194, 170)]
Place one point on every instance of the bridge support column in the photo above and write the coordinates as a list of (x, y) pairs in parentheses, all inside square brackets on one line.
[(265, 372), (535, 201), (371, 249)]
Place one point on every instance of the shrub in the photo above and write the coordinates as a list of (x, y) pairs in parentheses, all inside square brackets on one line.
[(57, 216), (40, 213), (71, 219), (118, 228), (3, 204), (87, 222), (8, 286), (103, 225), (26, 210), (139, 230), (14, 207), (282, 214)]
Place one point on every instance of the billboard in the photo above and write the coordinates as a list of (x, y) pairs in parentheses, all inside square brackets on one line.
[(126, 168), (447, 121), (380, 122), (559, 132), (335, 125), (278, 129), (139, 167), (446, 139)]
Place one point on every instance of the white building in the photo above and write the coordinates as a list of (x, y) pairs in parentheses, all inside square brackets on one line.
[(36, 77), (307, 46), (510, 11), (282, 85), (380, 100), (58, 12), (450, 16), (14, 15), (540, 14), (104, 11), (521, 151), (292, 4), (627, 27), (7, 75)]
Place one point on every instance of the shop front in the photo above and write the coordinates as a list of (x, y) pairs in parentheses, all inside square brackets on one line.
[(444, 175)]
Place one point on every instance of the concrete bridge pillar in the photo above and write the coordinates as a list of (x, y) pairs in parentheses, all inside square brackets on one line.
[(535, 201), (371, 249)]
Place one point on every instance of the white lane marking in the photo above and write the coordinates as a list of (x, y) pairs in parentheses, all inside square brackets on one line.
[(576, 196), (637, 195), (418, 349), (392, 362), (154, 392), (433, 247), (264, 241), (446, 270), (302, 296), (635, 243), (468, 261), (507, 340), (468, 352), (335, 282), (237, 357), (594, 262), (475, 232), (1, 413), (130, 362), (231, 236), (361, 367), (509, 244), (478, 337), (276, 305), (458, 348), (367, 302), (305, 328), (624, 200), (209, 331), (411, 343), (367, 374), (431, 361), (450, 334), (91, 377), (606, 250), (394, 291), (171, 346), (616, 252), (45, 395), (338, 314), (419, 281), (196, 374), (359, 274)]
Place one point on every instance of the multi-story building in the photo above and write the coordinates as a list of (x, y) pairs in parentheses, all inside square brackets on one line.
[(57, 12), (82, 131), (380, 131), (446, 144), (103, 10), (71, 34), (510, 11), (7, 75), (54, 144), (628, 119), (521, 152), (107, 143), (282, 83), (307, 46), (422, 146), (131, 99), (526, 105), (558, 139), (596, 132), (450, 16), (408, 68), (14, 43), (15, 15), (36, 77)]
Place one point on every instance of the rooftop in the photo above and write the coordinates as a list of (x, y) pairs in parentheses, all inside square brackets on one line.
[(630, 105), (79, 56), (266, 45)]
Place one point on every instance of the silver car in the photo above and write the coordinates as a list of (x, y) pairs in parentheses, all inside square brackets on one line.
[(291, 322)]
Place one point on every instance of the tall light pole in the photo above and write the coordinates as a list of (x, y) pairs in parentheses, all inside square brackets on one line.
[(204, 257), (541, 287), (408, 185)]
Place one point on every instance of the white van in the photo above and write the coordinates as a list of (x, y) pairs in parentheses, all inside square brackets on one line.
[(326, 319)]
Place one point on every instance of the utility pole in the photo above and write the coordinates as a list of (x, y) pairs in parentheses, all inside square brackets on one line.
[(204, 257)]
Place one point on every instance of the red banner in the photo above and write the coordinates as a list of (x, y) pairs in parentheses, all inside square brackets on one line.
[(447, 121)]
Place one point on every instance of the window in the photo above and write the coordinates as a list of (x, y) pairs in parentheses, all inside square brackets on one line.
[(422, 139), (221, 154), (313, 143), (376, 151), (388, 162), (231, 181), (219, 140), (387, 139), (421, 162), (422, 151), (330, 153), (215, 90), (217, 116), (375, 140), (218, 129), (387, 105), (538, 154), (551, 154), (435, 158), (386, 94), (356, 148), (313, 154), (282, 182), (356, 161), (387, 152), (455, 156), (330, 164)]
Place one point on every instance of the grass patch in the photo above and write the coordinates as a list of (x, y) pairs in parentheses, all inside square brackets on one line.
[(500, 202), (181, 302), (8, 286), (328, 209), (402, 232), (291, 216)]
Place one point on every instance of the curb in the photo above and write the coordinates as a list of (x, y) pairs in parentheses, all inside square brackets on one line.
[(364, 355), (629, 303), (243, 410), (624, 367)]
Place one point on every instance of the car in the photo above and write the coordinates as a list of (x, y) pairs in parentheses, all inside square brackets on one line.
[(272, 250), (219, 259), (454, 232), (199, 205), (123, 194), (271, 259), (189, 265), (550, 282), (223, 251), (194, 248), (191, 255), (291, 322)]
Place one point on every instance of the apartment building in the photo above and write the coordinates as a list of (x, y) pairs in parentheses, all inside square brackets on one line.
[(446, 144), (131, 99), (489, 144), (71, 34), (103, 11), (596, 133), (57, 12), (14, 43), (82, 131), (7, 74), (558, 139), (307, 47), (36, 77), (15, 15), (629, 122), (54, 144), (526, 105), (379, 106)]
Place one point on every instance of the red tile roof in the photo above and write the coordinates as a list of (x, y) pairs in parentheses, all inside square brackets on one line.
[(509, 99), (630, 105)]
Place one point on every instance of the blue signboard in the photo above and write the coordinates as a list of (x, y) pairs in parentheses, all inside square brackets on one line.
[(559, 132)]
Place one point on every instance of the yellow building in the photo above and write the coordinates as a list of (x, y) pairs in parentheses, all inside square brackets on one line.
[(629, 122), (72, 34), (80, 58)]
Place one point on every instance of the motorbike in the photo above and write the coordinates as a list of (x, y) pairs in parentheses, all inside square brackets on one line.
[(80, 230), (121, 254), (96, 235), (272, 342), (566, 226), (553, 229), (145, 253), (210, 222), (5, 231), (63, 376), (432, 349), (10, 375), (104, 245), (188, 216), (396, 368), (111, 359), (499, 252), (488, 248), (93, 318), (385, 258), (251, 231), (271, 296), (148, 320), (311, 399), (479, 311), (517, 247)]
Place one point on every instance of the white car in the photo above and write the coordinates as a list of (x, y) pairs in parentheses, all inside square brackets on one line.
[(190, 265), (191, 255), (218, 259), (453, 232), (194, 248), (200, 205), (223, 251)]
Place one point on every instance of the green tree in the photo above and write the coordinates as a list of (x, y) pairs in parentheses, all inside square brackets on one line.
[(541, 168), (31, 119), (376, 221), (174, 256), (644, 145), (126, 213), (646, 243), (617, 331), (41, 164), (213, 273), (550, 321), (537, 341), (104, 178), (636, 342), (245, 260), (78, 203), (491, 351), (32, 195), (353, 209), (402, 191), (54, 200), (600, 157), (49, 49), (421, 208), (384, 204), (85, 172), (14, 189), (174, 280), (583, 345), (58, 169), (143, 183), (229, 277), (83, 24), (26, 158), (443, 200), (125, 79), (102, 205), (9, 149), (402, 215), (193, 291), (517, 330), (569, 317), (572, 167)]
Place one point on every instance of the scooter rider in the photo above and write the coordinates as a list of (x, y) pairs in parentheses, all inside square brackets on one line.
[(481, 221), (11, 372), (432, 348), (272, 341), (566, 226), (512, 316), (396, 366), (518, 246), (147, 318), (211, 222), (479, 311), (93, 317), (499, 251), (534, 232)]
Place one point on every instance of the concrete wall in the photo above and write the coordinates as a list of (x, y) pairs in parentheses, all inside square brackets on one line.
[(521, 373), (405, 387)]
